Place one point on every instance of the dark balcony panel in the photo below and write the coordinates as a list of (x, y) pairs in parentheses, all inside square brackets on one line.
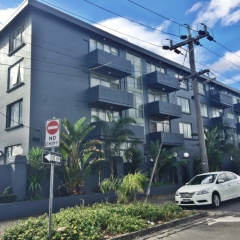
[(224, 121), (238, 127), (138, 131), (220, 99), (169, 138), (236, 107), (164, 109), (119, 67), (104, 97), (162, 81)]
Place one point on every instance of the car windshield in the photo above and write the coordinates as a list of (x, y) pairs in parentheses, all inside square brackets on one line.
[(203, 179)]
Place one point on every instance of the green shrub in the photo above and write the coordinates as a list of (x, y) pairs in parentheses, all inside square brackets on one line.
[(96, 222), (8, 198)]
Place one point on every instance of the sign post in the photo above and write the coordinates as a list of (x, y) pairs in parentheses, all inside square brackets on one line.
[(52, 140)]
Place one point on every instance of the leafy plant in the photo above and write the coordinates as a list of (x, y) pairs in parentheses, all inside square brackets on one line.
[(99, 221), (126, 187), (116, 133), (134, 157), (7, 190), (78, 154), (165, 160), (38, 170)]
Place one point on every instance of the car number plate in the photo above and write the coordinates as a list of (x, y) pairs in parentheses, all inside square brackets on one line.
[(186, 200)]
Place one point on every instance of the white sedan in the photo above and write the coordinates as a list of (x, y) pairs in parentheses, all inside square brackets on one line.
[(209, 188)]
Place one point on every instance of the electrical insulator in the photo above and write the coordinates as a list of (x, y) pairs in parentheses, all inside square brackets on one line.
[(165, 47)]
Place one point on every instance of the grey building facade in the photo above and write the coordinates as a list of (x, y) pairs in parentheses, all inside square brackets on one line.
[(54, 65)]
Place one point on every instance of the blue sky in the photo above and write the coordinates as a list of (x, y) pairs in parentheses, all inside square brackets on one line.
[(222, 16)]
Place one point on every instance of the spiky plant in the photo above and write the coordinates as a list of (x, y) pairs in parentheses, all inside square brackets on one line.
[(77, 154)]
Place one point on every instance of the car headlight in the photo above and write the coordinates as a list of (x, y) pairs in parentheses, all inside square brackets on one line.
[(176, 194), (204, 191)]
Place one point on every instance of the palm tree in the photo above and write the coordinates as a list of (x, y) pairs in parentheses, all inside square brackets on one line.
[(165, 158), (116, 133), (78, 154), (214, 143)]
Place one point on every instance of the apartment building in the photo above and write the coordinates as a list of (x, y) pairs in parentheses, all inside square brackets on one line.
[(54, 65)]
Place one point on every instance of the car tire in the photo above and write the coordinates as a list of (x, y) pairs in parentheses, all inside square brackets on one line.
[(216, 200)]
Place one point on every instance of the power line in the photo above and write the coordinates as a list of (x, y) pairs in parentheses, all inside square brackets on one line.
[(226, 48), (131, 19)]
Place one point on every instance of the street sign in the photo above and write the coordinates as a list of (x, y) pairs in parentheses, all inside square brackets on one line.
[(52, 135), (51, 157)]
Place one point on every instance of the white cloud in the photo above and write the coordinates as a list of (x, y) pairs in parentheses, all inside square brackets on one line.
[(226, 11), (133, 29), (5, 14), (225, 66), (194, 8), (235, 79)]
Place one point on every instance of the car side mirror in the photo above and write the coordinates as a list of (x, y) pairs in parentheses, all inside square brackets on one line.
[(220, 181)]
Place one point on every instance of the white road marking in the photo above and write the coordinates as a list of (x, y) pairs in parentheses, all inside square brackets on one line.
[(225, 219)]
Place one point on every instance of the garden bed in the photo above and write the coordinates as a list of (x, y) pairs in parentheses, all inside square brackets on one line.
[(101, 221)]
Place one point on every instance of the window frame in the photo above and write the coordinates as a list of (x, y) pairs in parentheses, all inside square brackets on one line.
[(7, 151), (156, 93), (160, 122), (104, 111), (104, 47), (217, 110), (13, 48), (201, 105), (203, 88), (187, 100), (9, 117), (20, 74), (104, 79), (185, 123)]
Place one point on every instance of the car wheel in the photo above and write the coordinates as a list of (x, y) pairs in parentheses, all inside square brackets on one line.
[(216, 200)]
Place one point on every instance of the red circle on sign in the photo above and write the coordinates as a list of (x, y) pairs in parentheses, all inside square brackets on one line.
[(52, 127)]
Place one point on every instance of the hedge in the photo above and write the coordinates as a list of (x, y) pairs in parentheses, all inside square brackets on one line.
[(9, 198)]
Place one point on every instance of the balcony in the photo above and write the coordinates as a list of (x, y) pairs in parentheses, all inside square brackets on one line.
[(224, 121), (162, 82), (104, 97), (219, 99), (169, 139), (236, 107), (118, 67), (138, 131), (164, 109), (238, 127)]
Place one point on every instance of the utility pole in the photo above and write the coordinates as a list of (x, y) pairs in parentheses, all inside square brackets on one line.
[(194, 74)]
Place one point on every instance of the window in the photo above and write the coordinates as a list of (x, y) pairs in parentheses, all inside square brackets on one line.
[(201, 88), (16, 38), (153, 67), (15, 74), (222, 177), (98, 79), (217, 112), (14, 114), (9, 151), (137, 111), (134, 83), (185, 129), (104, 114), (157, 125), (229, 113), (236, 100), (136, 64), (184, 103), (157, 96), (230, 176), (98, 45), (204, 110)]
